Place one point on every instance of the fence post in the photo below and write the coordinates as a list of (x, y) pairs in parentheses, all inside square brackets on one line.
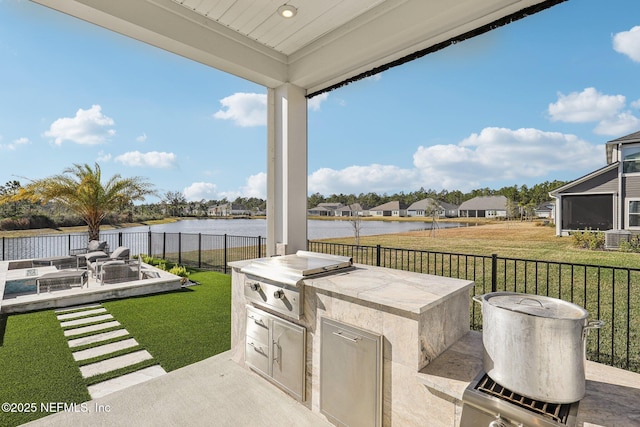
[(378, 248), (180, 248), (199, 250), (225, 254), (149, 244), (164, 245), (494, 272), (259, 246), (120, 238)]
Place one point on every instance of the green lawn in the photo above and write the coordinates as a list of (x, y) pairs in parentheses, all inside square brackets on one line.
[(177, 328), (183, 327)]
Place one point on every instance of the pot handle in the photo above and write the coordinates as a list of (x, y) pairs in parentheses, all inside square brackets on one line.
[(532, 299), (592, 324), (477, 298)]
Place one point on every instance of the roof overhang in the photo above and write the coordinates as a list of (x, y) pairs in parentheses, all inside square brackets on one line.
[(326, 45), (564, 188)]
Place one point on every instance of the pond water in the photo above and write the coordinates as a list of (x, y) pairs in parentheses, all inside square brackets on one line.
[(317, 229)]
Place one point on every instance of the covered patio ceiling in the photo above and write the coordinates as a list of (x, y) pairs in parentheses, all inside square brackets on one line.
[(324, 45)]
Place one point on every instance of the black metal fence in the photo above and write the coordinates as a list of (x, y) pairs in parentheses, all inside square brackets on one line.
[(205, 251), (610, 294)]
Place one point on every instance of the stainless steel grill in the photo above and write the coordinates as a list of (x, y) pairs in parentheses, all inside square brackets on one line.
[(555, 411), (277, 282), (487, 403)]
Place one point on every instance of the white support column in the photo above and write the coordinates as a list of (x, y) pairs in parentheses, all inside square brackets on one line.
[(286, 170)]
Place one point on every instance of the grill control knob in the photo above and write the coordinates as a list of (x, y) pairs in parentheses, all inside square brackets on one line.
[(279, 294), (255, 286)]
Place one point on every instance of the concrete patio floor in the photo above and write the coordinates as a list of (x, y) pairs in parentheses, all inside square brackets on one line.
[(213, 392)]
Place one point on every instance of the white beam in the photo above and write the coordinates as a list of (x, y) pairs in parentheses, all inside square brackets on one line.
[(169, 26), (286, 170)]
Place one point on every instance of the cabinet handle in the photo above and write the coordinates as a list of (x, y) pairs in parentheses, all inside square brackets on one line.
[(257, 321), (276, 348), (339, 334)]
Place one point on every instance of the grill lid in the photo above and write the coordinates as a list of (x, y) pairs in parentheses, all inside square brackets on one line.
[(290, 269), (536, 305)]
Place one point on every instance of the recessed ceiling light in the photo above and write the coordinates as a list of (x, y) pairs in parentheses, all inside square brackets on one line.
[(287, 11)]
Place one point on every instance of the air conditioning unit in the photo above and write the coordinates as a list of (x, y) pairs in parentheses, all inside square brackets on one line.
[(612, 238)]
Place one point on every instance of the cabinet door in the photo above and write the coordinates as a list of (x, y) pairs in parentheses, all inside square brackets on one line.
[(350, 375), (288, 364)]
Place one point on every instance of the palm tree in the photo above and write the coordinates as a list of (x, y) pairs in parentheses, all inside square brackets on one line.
[(79, 189)]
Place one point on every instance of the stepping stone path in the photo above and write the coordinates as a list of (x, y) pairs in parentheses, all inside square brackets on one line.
[(95, 319)]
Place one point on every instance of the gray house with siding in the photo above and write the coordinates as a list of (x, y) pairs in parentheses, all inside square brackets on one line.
[(606, 199), (394, 208), (484, 207)]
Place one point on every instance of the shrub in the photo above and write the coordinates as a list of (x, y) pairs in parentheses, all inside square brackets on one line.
[(588, 239), (632, 245), (179, 270)]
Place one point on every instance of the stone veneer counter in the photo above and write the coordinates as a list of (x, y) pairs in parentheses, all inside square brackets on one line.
[(418, 315), (397, 289)]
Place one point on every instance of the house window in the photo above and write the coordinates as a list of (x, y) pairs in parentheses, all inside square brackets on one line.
[(633, 213), (631, 159)]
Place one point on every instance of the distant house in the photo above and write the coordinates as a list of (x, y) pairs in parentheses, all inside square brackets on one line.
[(390, 209), (354, 209), (605, 199), (324, 209), (425, 207), (546, 210), (484, 207), (228, 209)]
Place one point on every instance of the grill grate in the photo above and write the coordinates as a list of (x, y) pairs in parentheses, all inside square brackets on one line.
[(558, 412)]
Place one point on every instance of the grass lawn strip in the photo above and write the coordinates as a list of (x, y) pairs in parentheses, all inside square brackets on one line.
[(85, 321), (97, 326), (110, 355), (91, 333), (100, 343), (37, 367)]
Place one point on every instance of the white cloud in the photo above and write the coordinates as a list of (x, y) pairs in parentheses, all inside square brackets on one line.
[(15, 144), (314, 103), (256, 186), (201, 190), (88, 127), (356, 179), (628, 43), (499, 154), (154, 159), (142, 138), (593, 106), (103, 157), (244, 109), (493, 157), (586, 106), (622, 124)]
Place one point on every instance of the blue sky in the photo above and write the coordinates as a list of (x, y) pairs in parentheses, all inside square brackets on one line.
[(532, 101)]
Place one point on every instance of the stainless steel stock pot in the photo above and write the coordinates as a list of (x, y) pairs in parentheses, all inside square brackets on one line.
[(535, 345)]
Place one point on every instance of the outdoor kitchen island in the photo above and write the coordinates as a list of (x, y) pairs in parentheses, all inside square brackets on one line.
[(417, 317)]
